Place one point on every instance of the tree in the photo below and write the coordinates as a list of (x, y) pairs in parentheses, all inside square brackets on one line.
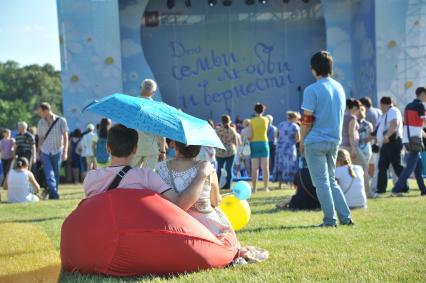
[(23, 88), (13, 112)]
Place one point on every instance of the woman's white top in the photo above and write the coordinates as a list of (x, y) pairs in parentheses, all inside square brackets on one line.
[(353, 188), (19, 187)]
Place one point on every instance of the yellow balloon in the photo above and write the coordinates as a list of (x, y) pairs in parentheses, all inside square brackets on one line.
[(237, 211)]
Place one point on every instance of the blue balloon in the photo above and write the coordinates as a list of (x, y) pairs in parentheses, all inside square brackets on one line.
[(242, 190)]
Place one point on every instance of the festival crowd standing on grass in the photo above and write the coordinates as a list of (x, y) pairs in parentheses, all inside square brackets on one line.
[(286, 157), (321, 134), (351, 180), (53, 145), (272, 134), (259, 147), (225, 157), (414, 116), (389, 134), (20, 183), (151, 149), (7, 150), (25, 144)]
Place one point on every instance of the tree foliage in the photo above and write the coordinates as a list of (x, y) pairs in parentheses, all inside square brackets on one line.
[(23, 88)]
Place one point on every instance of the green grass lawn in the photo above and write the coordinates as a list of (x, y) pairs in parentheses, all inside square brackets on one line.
[(388, 243)]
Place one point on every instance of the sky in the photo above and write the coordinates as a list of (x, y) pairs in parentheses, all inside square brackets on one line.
[(29, 32)]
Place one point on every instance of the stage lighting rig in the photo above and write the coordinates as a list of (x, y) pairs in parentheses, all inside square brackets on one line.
[(188, 3), (263, 2), (227, 3), (250, 2)]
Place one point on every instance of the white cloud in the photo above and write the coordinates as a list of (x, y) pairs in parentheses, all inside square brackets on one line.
[(33, 28), (130, 48)]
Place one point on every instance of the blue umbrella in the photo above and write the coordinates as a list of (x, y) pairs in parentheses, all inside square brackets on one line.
[(156, 118)]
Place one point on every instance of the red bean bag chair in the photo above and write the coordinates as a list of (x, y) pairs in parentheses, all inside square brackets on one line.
[(126, 232)]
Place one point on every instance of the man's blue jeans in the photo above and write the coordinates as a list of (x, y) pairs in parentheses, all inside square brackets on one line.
[(51, 166), (321, 160), (414, 163)]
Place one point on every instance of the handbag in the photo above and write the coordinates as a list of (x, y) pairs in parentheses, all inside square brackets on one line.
[(415, 144), (246, 150)]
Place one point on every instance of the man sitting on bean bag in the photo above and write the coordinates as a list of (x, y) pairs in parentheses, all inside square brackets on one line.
[(122, 145)]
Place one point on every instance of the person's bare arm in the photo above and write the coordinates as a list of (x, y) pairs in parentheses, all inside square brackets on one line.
[(250, 132), (394, 124), (297, 136), (65, 140), (191, 194), (215, 196), (305, 128), (34, 153), (353, 143), (33, 182)]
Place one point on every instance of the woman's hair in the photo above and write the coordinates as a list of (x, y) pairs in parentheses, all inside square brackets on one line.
[(6, 132), (362, 113), (188, 151), (259, 108), (292, 115), (21, 162), (33, 130), (352, 103), (344, 157), (226, 120), (246, 122), (76, 133), (103, 127)]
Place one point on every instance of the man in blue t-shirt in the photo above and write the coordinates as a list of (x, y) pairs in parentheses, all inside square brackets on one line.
[(321, 134)]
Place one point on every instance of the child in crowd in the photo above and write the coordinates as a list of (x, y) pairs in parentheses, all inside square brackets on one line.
[(21, 184), (7, 150), (351, 180), (122, 145)]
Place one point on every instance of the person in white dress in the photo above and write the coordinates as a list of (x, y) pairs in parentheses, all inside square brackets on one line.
[(179, 173), (20, 183), (351, 180)]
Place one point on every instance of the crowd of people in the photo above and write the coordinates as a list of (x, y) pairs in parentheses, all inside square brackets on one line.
[(302, 151)]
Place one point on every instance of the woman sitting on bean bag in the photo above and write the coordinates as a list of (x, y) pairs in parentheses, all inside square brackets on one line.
[(179, 173)]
